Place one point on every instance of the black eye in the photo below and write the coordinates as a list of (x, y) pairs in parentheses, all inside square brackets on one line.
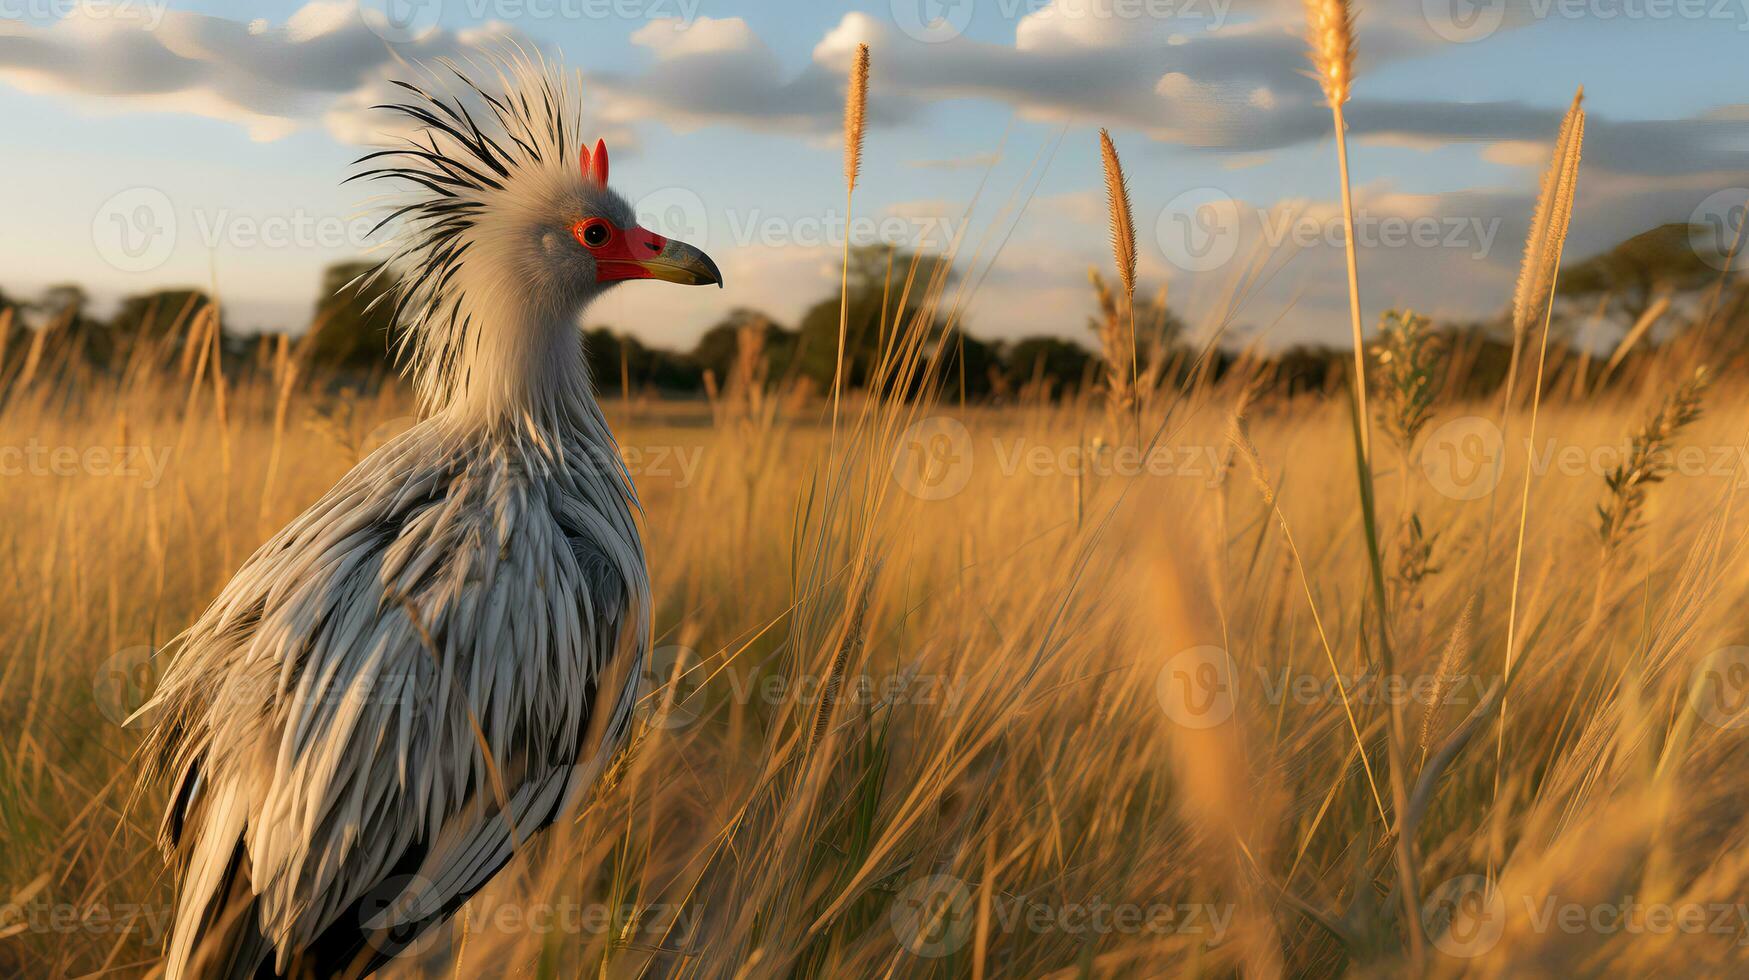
[(596, 235)]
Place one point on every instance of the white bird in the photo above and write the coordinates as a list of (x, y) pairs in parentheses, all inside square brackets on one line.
[(457, 624)]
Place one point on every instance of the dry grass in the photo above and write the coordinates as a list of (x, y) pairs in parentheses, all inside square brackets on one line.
[(930, 699), (1010, 695)]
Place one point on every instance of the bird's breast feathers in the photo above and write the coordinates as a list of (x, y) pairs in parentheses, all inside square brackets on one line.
[(452, 607)]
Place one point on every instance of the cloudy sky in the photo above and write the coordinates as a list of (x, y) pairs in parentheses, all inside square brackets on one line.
[(151, 143)]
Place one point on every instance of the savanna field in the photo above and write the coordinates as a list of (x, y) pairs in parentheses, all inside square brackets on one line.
[(1099, 710), (1205, 666)]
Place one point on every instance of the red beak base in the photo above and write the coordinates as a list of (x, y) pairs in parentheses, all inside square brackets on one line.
[(638, 253)]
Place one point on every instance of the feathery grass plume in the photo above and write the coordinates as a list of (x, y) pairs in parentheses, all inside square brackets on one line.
[(1648, 461), (1330, 32), (1548, 228), (1537, 280), (855, 116), (1122, 223), (1452, 663), (1123, 252)]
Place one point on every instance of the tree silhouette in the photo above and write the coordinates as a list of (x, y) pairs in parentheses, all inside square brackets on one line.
[(1670, 257)]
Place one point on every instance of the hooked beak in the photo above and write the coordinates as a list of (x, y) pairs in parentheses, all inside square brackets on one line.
[(651, 256)]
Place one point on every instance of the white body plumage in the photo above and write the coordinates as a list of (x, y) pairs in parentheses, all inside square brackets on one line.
[(459, 621)]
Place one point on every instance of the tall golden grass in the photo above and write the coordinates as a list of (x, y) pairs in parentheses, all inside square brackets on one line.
[(940, 692)]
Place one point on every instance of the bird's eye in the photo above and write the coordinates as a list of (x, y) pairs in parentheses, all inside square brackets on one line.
[(594, 234)]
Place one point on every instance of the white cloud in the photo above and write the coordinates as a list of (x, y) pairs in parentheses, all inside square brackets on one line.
[(270, 79)]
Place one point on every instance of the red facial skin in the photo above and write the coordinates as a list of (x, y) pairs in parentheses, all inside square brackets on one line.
[(623, 254)]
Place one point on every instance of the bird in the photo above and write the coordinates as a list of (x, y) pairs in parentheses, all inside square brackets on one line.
[(439, 657)]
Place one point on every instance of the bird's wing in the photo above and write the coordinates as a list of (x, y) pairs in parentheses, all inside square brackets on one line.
[(425, 637)]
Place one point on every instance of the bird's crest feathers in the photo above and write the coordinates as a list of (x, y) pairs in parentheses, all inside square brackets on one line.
[(595, 164)]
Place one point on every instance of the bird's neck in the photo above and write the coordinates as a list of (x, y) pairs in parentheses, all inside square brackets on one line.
[(515, 365)]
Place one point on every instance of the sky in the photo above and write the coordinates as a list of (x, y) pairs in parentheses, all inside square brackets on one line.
[(158, 143)]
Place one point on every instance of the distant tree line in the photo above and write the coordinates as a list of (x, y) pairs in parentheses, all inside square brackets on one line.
[(1638, 293)]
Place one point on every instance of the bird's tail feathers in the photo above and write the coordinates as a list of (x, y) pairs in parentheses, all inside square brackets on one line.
[(216, 933)]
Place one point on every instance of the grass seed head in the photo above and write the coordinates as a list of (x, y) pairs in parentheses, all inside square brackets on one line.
[(855, 116)]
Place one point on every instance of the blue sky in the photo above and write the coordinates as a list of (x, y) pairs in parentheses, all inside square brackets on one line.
[(724, 116)]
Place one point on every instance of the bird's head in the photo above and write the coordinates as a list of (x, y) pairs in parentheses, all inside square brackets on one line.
[(554, 237), (615, 248), (507, 231)]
